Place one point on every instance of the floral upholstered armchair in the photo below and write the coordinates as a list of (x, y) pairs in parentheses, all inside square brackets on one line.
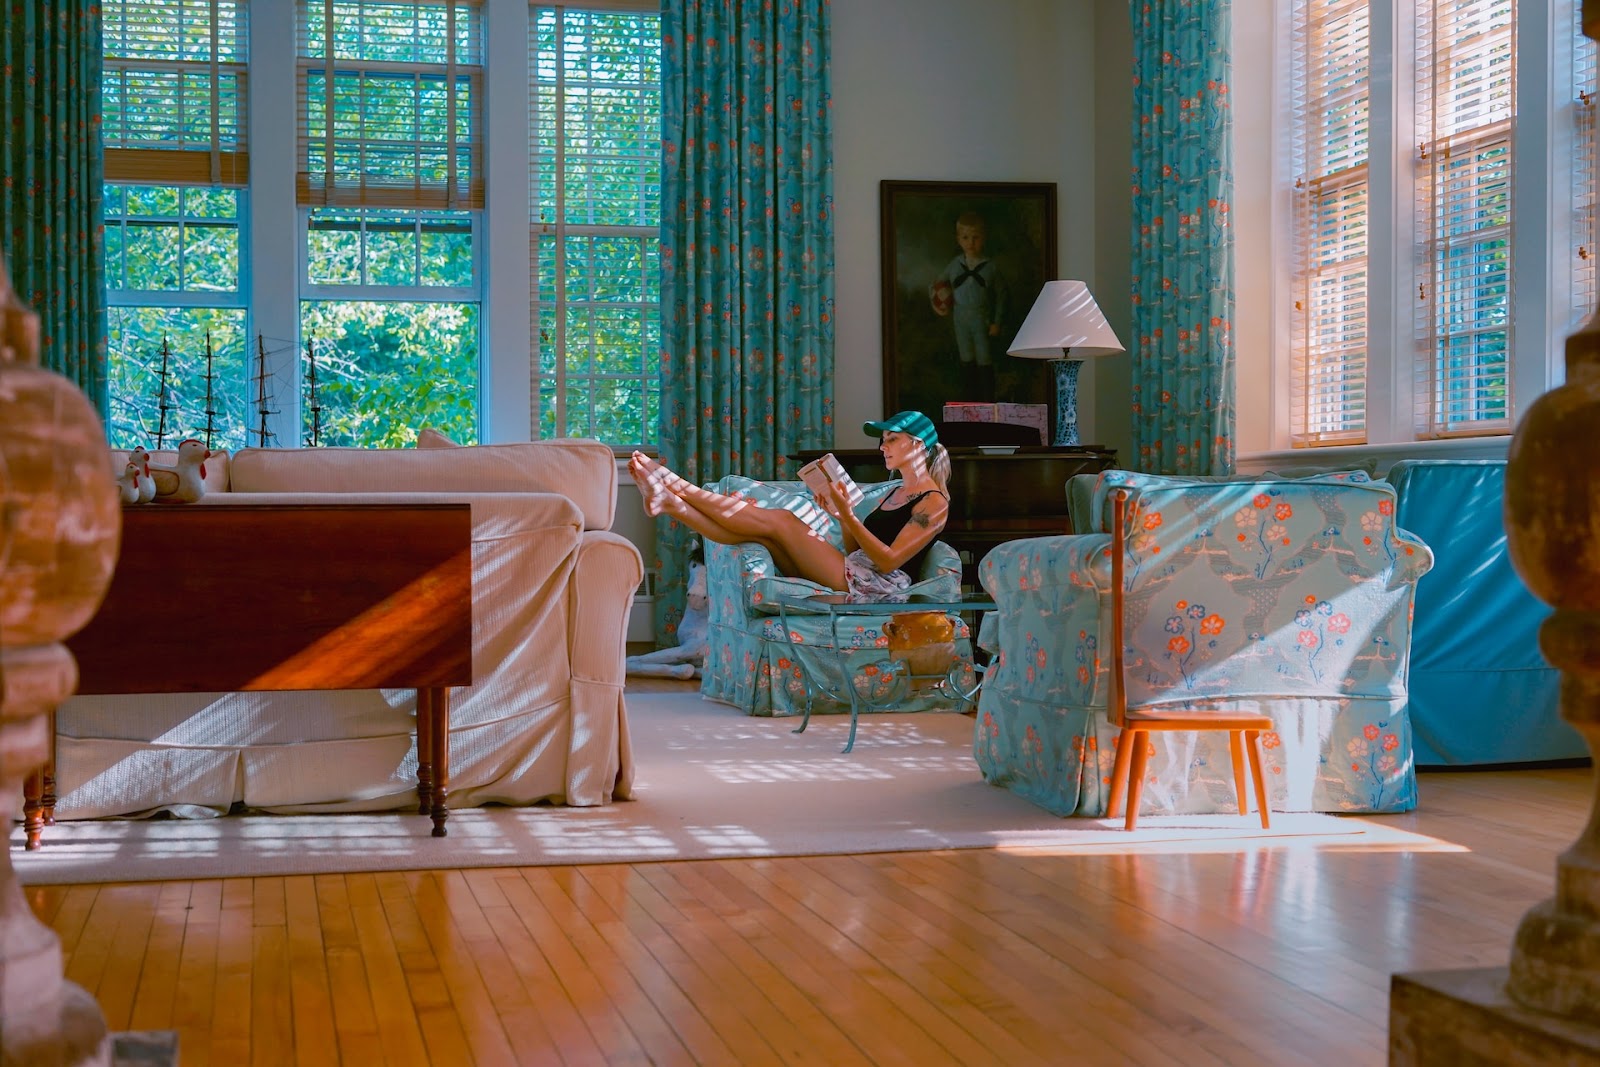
[(757, 664), (1288, 597)]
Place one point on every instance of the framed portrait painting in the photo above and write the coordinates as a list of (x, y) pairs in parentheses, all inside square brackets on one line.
[(962, 265)]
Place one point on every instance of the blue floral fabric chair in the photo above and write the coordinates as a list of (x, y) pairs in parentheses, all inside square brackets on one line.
[(754, 664), (1288, 597)]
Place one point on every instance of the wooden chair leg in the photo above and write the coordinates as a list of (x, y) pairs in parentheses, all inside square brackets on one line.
[(1119, 773), (1236, 750), (1252, 741), (1141, 758)]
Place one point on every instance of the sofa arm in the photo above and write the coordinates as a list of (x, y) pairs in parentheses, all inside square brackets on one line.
[(600, 754), (608, 572)]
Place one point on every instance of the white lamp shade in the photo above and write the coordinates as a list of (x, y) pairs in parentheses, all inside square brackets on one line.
[(1065, 317)]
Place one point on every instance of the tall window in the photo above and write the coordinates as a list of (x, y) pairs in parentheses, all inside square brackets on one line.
[(174, 94), (390, 176), (1466, 97), (1414, 157), (595, 223), (1329, 383)]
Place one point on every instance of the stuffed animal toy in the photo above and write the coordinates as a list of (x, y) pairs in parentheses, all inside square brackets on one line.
[(688, 656)]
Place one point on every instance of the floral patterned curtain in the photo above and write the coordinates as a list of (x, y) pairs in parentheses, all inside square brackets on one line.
[(51, 222), (746, 249), (1183, 359)]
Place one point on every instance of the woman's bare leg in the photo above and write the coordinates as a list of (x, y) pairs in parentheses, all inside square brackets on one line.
[(795, 547)]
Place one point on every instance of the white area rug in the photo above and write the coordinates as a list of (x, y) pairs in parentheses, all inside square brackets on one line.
[(711, 783)]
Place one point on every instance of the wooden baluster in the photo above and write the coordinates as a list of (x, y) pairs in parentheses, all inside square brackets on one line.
[(59, 525), (1546, 1007)]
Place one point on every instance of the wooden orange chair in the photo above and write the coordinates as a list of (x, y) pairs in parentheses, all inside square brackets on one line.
[(1133, 743)]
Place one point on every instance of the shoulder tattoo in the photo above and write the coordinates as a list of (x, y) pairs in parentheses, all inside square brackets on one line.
[(920, 519)]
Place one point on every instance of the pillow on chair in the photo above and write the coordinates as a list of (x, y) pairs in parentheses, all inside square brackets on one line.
[(428, 437)]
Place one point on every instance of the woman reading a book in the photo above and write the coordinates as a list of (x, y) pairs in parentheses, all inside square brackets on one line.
[(883, 552)]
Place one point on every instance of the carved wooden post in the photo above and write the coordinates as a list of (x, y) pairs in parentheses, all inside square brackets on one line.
[(59, 527), (1546, 1008)]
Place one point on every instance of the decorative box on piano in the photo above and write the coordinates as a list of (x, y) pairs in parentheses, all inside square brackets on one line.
[(1035, 415)]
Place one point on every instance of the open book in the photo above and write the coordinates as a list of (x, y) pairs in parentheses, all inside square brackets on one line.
[(819, 472)]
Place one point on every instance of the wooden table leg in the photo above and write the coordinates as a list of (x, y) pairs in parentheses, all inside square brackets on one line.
[(424, 751), (39, 793), (441, 759), (48, 799), (32, 818)]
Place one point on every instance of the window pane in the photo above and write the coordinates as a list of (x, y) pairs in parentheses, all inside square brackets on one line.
[(385, 369), (333, 249), (392, 255), (172, 239), (152, 256), (446, 255), (395, 248), (135, 341), (211, 258)]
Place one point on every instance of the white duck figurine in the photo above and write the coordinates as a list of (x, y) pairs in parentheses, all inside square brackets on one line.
[(186, 480), (140, 457), (129, 484)]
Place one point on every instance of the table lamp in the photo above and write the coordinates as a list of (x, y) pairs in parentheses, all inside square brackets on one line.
[(1065, 326)]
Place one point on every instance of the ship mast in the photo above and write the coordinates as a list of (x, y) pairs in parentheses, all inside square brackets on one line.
[(264, 436)]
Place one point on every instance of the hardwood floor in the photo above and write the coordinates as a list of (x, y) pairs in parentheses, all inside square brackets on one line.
[(1263, 955)]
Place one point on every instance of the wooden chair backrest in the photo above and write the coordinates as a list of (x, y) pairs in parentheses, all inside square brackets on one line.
[(1117, 698)]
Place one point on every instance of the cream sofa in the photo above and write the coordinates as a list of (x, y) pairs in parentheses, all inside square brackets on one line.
[(544, 719)]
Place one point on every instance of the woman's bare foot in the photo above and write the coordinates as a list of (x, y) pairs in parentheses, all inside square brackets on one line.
[(665, 477), (652, 487)]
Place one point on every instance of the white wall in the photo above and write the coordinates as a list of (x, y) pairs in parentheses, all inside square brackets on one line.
[(945, 90)]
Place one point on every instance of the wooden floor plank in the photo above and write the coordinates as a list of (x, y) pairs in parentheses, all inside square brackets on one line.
[(158, 975), (194, 1001), (447, 911), (388, 993), (626, 990), (311, 997), (591, 998), (711, 1027), (119, 984), (231, 1019), (821, 1039), (571, 1041), (685, 937)]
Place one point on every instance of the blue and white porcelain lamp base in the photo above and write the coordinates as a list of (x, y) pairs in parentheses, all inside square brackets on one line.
[(1066, 400)]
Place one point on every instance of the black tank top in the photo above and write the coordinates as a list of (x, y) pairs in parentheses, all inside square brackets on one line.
[(886, 523)]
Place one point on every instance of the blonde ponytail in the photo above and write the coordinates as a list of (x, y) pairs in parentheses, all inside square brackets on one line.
[(939, 467)]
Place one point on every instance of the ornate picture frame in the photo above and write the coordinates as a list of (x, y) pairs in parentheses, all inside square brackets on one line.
[(945, 310)]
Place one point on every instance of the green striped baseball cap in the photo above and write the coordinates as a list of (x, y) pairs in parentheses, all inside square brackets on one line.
[(914, 423)]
